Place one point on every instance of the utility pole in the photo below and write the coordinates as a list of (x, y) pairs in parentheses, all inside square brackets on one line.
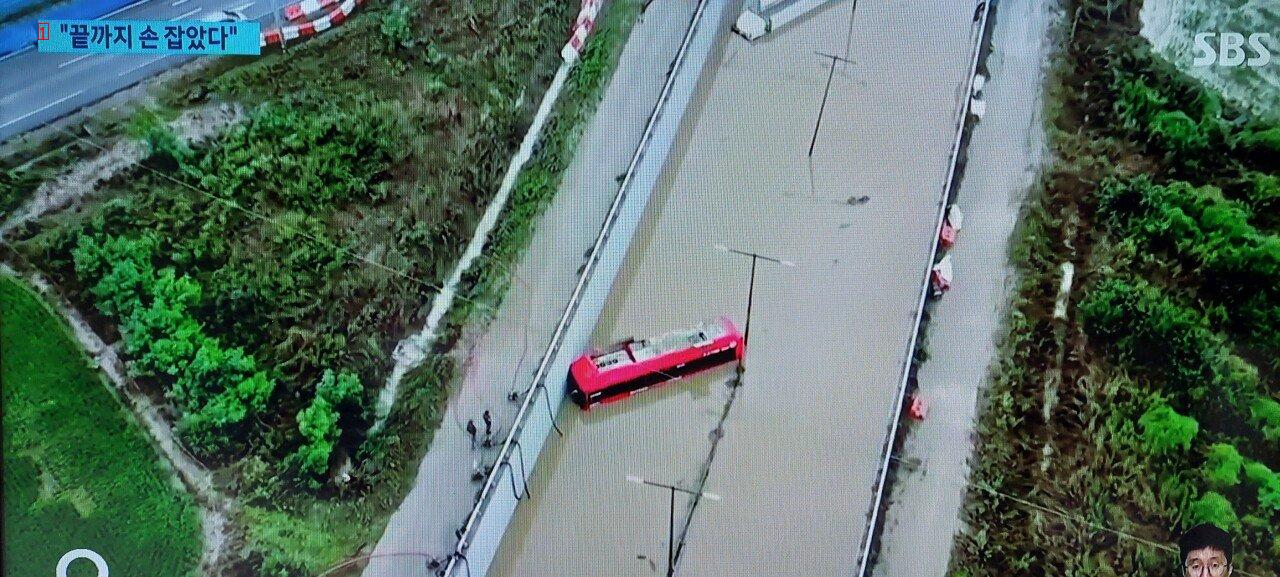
[(671, 517), (751, 288), (826, 91)]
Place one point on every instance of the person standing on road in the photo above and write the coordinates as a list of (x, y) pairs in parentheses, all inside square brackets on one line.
[(471, 430), (488, 429)]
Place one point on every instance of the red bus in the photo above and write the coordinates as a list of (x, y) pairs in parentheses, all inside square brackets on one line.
[(633, 366)]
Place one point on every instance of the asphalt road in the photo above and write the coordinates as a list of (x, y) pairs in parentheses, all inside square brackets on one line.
[(38, 88), (796, 459)]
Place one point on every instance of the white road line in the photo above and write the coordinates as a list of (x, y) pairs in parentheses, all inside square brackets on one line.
[(47, 106), (180, 2), (180, 17), (74, 60), (242, 8), (17, 52), (119, 10), (143, 65)]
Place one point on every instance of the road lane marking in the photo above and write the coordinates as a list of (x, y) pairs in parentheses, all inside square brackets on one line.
[(179, 3), (242, 8), (144, 64), (180, 17), (45, 107), (74, 60), (119, 10), (19, 51)]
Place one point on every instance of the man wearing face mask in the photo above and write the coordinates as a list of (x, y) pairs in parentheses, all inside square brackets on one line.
[(1206, 551)]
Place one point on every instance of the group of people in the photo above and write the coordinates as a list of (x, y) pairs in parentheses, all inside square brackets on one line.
[(488, 430), (478, 469)]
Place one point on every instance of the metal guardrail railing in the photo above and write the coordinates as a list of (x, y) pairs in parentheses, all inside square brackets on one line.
[(871, 533), (538, 383)]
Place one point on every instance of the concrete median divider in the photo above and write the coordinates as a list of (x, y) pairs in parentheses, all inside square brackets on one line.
[(506, 485)]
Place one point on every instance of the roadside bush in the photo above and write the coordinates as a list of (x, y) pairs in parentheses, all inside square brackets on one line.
[(1267, 483), (1261, 143), (1262, 194), (1235, 262), (303, 157), (397, 27)]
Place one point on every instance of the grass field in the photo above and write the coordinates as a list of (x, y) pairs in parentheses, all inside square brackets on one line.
[(78, 472)]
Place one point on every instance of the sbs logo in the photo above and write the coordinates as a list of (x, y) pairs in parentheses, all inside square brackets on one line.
[(1230, 49)]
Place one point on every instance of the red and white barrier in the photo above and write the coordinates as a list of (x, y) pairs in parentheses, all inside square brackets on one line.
[(300, 10), (334, 18), (582, 26), (581, 29)]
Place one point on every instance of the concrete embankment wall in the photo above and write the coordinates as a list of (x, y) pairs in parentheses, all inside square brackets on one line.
[(535, 423)]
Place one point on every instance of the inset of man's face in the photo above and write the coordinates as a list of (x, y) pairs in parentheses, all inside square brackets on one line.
[(1207, 562)]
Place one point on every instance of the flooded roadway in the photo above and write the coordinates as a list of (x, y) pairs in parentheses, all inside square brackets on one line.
[(803, 438)]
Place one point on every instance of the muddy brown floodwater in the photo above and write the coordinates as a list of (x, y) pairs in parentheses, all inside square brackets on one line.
[(804, 436)]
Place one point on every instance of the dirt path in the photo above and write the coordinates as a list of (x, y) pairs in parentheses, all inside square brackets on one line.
[(215, 508), (81, 180), (1004, 157)]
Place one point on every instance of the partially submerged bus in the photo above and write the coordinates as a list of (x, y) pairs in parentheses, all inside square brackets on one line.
[(633, 366)]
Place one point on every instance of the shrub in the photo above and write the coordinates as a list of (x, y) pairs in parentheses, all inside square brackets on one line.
[(216, 389), (1266, 415), (1165, 431), (318, 423), (397, 27), (1178, 132), (1237, 264), (1148, 328), (1268, 484), (1213, 508), (1223, 467)]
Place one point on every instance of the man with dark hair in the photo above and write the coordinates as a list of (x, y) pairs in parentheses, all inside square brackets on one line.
[(1206, 551)]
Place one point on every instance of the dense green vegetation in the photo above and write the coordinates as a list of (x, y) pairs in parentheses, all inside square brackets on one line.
[(78, 471), (1166, 412), (259, 283), (311, 237)]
